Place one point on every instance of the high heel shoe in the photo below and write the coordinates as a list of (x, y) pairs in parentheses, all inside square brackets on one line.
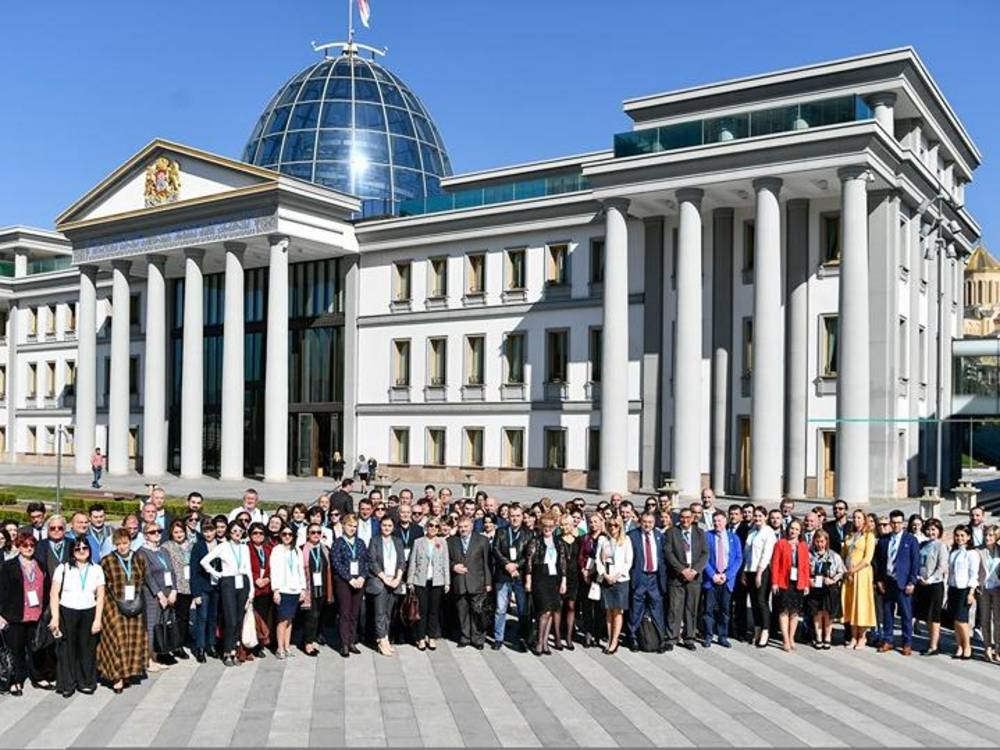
[(612, 651)]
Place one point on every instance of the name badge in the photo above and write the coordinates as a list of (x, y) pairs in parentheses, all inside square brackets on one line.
[(354, 567), (794, 574), (187, 572), (552, 567), (512, 554), (817, 582), (238, 580), (317, 579), (406, 554), (32, 598), (129, 592), (168, 579)]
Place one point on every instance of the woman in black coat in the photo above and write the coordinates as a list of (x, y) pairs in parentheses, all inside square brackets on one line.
[(23, 595)]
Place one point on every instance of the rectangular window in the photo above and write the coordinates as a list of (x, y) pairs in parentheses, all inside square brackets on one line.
[(32, 321), (435, 446), (828, 346), (513, 448), (133, 441), (50, 380), (922, 353), (438, 285), (514, 270), (829, 238), (473, 446), (596, 349), (557, 265), (594, 449), (597, 260), (3, 439), (401, 281), (901, 454), (69, 440), (49, 439), (475, 362), (50, 320), (476, 274), (133, 311), (401, 363), (32, 445), (437, 361), (555, 448), (400, 453), (749, 246), (3, 381), (747, 347), (133, 376), (556, 356), (69, 388), (902, 349), (32, 383), (514, 354), (70, 318)]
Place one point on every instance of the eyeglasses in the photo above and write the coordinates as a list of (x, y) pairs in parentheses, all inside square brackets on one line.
[(57, 528), (287, 533), (153, 532), (256, 531), (316, 532)]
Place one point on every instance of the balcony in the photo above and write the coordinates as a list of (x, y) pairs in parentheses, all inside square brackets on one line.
[(513, 392), (399, 394), (473, 392), (541, 187), (742, 125), (436, 392), (556, 391)]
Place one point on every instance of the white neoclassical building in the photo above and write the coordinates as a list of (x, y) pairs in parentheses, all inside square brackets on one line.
[(756, 288)]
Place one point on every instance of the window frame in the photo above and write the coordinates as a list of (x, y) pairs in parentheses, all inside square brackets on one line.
[(469, 447), (430, 431), (399, 450), (824, 343), (550, 333), (549, 432), (433, 292), (443, 381), (402, 363), (557, 276), (508, 445), (509, 266), (829, 218)]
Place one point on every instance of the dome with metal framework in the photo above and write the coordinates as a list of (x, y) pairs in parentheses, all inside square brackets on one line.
[(350, 124)]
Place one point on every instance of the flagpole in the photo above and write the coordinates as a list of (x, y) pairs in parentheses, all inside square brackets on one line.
[(350, 21)]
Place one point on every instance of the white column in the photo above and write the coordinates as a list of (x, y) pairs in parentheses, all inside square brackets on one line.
[(154, 391), (797, 343), (853, 348), (614, 340), (884, 104), (118, 398), (687, 346), (231, 463), (766, 383), (276, 364), (192, 372), (85, 388)]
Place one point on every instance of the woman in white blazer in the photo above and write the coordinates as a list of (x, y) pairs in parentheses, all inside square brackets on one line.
[(288, 582)]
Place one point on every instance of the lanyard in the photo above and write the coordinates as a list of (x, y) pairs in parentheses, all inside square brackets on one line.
[(315, 554), (290, 560), (34, 572), (83, 577), (512, 537), (238, 556), (405, 533), (57, 548), (350, 546), (126, 567), (260, 556)]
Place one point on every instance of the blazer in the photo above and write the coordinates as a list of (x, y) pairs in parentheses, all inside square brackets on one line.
[(12, 590), (420, 559), (758, 549), (258, 570), (781, 565), (733, 563), (833, 530), (327, 574), (501, 552), (286, 570), (907, 564), (49, 560), (639, 557), (343, 502), (201, 581), (933, 562), (676, 553), (340, 558), (376, 564), (476, 560), (412, 533)]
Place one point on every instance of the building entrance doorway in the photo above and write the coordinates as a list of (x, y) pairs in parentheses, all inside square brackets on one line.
[(829, 462), (313, 437)]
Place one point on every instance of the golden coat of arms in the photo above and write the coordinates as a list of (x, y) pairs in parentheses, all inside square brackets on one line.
[(163, 182)]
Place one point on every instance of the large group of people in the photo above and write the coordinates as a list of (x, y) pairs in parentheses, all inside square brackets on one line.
[(82, 603)]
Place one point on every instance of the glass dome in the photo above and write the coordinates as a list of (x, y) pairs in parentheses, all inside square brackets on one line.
[(348, 123)]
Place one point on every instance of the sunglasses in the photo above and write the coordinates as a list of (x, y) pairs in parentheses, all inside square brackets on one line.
[(256, 531), (57, 528), (316, 532), (153, 532), (287, 533)]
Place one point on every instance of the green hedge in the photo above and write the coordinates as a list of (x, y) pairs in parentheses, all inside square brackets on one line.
[(17, 515), (8, 498), (121, 506)]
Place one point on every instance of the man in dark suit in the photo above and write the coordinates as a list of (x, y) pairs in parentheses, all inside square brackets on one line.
[(839, 527), (508, 556), (648, 576), (55, 550), (686, 555), (897, 562), (36, 514), (341, 499), (471, 580)]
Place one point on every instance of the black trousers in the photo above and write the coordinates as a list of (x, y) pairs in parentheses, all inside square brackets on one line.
[(19, 636), (590, 613), (739, 605), (182, 609), (76, 651), (234, 601), (759, 599), (311, 621), (469, 608), (429, 625)]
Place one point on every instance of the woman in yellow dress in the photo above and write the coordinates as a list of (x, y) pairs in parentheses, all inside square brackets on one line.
[(859, 592)]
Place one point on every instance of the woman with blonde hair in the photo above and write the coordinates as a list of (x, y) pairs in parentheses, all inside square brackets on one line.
[(614, 560), (859, 590), (545, 580)]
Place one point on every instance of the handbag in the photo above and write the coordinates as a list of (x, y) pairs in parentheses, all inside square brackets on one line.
[(130, 608), (43, 636), (248, 633), (166, 635), (6, 664), (409, 609)]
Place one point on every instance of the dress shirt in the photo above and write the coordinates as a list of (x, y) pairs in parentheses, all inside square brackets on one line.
[(365, 530), (256, 515), (977, 535), (963, 568), (759, 548), (389, 562)]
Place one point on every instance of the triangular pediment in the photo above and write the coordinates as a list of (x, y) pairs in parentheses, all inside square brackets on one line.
[(162, 176)]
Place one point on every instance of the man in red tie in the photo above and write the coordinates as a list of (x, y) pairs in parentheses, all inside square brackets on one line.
[(648, 576)]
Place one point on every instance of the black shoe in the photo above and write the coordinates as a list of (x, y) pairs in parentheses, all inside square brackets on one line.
[(557, 646), (463, 644), (689, 645), (344, 651), (478, 646), (570, 646), (633, 647), (588, 640), (664, 647), (199, 656), (354, 649), (321, 639), (67, 693), (211, 653), (497, 645), (117, 690), (181, 654)]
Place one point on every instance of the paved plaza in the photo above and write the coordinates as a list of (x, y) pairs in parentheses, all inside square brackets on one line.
[(462, 697)]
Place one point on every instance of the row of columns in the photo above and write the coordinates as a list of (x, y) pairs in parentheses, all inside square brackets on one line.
[(773, 409), (154, 437)]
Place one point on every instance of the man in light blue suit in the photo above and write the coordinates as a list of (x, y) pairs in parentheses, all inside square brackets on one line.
[(648, 576), (725, 558)]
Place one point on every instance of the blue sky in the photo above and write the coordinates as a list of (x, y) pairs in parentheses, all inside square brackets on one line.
[(87, 84)]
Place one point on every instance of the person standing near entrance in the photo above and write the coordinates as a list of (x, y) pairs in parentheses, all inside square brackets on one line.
[(97, 468)]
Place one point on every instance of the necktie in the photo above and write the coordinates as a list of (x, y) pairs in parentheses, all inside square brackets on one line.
[(649, 554), (720, 554)]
